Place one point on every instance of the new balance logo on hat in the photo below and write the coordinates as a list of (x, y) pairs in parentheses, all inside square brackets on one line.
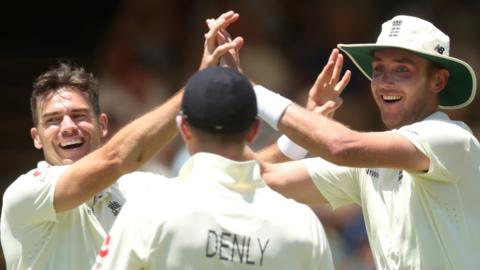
[(439, 49)]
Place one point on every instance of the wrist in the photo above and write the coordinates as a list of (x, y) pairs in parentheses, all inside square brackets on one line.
[(290, 149), (270, 105)]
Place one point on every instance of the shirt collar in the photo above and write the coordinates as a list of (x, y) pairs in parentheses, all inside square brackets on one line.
[(437, 116), (242, 176)]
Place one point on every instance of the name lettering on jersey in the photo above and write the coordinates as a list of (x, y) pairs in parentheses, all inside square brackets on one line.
[(233, 247), (115, 207), (373, 173)]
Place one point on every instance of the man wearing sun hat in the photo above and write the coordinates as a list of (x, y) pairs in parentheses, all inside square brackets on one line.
[(419, 182), (220, 215)]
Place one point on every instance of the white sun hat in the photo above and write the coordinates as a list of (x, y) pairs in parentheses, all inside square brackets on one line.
[(424, 39)]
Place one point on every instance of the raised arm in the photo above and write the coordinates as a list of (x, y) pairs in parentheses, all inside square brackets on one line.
[(132, 146), (323, 98), (292, 180)]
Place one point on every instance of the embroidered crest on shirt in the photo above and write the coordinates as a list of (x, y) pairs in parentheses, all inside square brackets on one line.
[(115, 207), (373, 173)]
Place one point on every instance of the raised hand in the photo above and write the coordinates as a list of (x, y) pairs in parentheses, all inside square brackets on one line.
[(324, 96), (232, 58), (214, 47)]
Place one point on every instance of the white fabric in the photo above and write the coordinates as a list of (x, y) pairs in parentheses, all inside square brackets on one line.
[(290, 149), (270, 105), (220, 215), (416, 220), (415, 34), (34, 236)]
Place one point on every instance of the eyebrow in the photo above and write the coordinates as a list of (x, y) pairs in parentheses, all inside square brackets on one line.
[(50, 114)]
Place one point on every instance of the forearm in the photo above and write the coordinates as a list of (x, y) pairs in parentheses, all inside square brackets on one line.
[(141, 139), (271, 154), (316, 133), (126, 151), (320, 135)]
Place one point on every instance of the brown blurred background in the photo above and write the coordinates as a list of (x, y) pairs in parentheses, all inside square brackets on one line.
[(144, 50)]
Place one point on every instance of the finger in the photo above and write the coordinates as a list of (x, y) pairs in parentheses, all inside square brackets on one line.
[(209, 22), (333, 55), (337, 69), (222, 50), (229, 20), (321, 78), (238, 43), (225, 14), (211, 36), (342, 84)]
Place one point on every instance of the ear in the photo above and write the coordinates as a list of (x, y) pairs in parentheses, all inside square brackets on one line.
[(36, 138), (253, 131), (184, 128), (103, 122), (440, 79)]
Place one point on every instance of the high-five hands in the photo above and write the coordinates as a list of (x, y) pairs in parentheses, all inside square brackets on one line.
[(219, 43)]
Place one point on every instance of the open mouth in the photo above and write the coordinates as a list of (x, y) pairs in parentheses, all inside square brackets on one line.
[(71, 144), (390, 98)]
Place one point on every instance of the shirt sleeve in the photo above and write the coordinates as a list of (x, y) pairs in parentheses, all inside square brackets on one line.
[(338, 184), (29, 199), (445, 144)]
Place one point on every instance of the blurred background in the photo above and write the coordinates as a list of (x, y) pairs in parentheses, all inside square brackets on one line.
[(144, 50)]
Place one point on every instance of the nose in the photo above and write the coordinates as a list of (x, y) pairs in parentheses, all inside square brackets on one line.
[(384, 79), (68, 126)]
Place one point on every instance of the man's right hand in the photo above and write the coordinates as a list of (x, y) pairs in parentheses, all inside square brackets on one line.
[(324, 96)]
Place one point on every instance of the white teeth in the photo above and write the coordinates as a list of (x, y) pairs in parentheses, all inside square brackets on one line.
[(391, 97), (71, 142)]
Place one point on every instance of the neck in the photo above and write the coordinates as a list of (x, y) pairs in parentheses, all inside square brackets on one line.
[(233, 152)]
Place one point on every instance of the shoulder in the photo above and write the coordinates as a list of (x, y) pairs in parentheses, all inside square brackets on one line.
[(32, 182), (440, 125), (141, 182)]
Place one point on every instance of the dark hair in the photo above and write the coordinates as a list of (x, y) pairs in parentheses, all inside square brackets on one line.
[(64, 75)]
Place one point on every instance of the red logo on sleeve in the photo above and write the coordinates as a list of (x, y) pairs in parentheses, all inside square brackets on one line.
[(37, 173), (104, 249)]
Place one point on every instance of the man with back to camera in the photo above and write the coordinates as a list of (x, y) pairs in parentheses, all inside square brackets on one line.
[(220, 214), (418, 182), (56, 216)]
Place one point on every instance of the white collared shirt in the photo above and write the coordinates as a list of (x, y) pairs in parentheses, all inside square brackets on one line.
[(220, 215), (416, 220), (34, 236)]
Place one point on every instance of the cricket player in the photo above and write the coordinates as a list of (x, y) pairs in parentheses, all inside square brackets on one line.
[(57, 215), (220, 214), (417, 183)]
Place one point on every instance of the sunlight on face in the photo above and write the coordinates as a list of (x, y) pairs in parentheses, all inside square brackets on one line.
[(401, 87), (67, 127)]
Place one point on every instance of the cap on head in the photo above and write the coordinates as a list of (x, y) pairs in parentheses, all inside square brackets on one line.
[(219, 100), (424, 39)]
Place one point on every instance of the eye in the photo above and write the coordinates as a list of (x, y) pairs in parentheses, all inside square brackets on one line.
[(377, 70), (79, 116), (52, 121), (401, 69)]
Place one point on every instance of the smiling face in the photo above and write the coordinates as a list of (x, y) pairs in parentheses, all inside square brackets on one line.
[(67, 127), (405, 86)]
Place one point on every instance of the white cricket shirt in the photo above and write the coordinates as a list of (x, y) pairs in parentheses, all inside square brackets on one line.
[(34, 236), (220, 216), (416, 220)]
